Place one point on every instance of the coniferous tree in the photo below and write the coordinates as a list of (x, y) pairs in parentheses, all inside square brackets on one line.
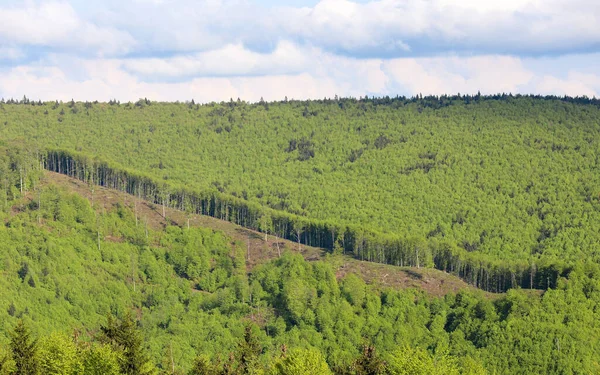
[(369, 363), (125, 337), (248, 350), (203, 366), (24, 351)]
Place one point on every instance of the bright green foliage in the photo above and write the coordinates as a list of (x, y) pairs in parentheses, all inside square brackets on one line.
[(503, 176), (354, 289), (469, 366), (482, 187), (302, 362), (98, 359), (6, 363), (58, 356), (194, 297), (419, 362), (265, 224)]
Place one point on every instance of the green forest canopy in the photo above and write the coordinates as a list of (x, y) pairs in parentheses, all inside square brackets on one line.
[(197, 303), (505, 176)]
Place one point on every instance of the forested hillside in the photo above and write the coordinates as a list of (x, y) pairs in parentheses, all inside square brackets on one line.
[(79, 274), (502, 191)]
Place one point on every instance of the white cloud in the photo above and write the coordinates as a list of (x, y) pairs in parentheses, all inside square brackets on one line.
[(10, 53), (57, 25), (380, 28), (41, 24), (64, 77), (230, 60), (450, 75), (576, 84), (416, 27), (490, 5), (217, 49), (183, 25), (107, 80)]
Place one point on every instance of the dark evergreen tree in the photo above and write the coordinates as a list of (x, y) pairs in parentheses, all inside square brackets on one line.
[(124, 336), (11, 309), (369, 363), (24, 351), (249, 349), (23, 271), (203, 366)]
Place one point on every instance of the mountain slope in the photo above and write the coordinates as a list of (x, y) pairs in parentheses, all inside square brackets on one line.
[(66, 265)]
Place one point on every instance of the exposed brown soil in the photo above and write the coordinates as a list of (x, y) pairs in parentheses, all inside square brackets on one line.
[(433, 282)]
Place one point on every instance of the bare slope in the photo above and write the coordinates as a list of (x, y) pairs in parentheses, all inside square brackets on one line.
[(434, 282)]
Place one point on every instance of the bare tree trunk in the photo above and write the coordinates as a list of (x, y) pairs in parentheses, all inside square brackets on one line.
[(278, 249), (39, 207), (133, 270), (417, 250), (135, 211), (248, 255)]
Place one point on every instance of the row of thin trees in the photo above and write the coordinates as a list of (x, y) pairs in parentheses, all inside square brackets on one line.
[(363, 243)]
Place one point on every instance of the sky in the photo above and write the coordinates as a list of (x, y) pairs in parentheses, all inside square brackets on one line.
[(214, 50)]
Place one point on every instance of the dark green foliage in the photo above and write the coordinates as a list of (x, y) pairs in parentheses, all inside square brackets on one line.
[(190, 287), (305, 150), (297, 303), (249, 349), (382, 141), (203, 366), (12, 309), (24, 350), (31, 281), (23, 271), (369, 362), (125, 337), (509, 180)]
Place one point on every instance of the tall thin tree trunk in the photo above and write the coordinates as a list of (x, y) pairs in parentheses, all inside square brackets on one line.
[(133, 270), (417, 249), (248, 256), (39, 206), (278, 249)]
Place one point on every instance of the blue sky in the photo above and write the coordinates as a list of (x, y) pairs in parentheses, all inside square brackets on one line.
[(212, 50)]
